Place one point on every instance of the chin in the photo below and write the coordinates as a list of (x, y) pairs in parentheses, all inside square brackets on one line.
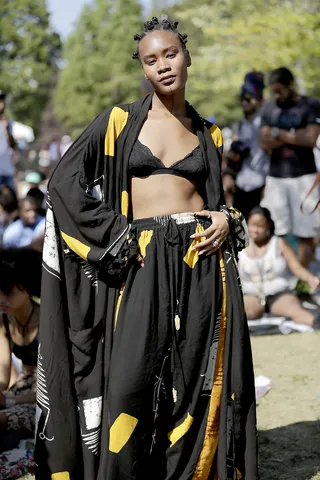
[(170, 89)]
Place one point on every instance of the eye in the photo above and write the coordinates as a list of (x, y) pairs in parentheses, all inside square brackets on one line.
[(171, 55), (151, 62)]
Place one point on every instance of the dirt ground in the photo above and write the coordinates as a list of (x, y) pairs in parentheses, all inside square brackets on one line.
[(289, 415)]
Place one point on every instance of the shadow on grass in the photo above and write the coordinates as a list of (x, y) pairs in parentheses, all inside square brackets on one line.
[(291, 452)]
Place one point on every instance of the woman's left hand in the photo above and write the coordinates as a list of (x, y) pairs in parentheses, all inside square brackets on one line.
[(215, 235)]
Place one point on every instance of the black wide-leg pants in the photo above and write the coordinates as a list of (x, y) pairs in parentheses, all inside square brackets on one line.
[(163, 354)]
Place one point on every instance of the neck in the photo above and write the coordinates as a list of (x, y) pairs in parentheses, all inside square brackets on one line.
[(173, 104), (262, 242), (23, 313)]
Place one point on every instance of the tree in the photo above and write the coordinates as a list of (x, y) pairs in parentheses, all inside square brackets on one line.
[(99, 71), (29, 49), (236, 37)]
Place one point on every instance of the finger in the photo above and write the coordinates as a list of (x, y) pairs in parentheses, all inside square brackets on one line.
[(206, 233), (217, 235), (203, 213), (213, 246)]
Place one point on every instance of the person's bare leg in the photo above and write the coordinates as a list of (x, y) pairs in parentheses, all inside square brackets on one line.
[(253, 307), (305, 251), (289, 306)]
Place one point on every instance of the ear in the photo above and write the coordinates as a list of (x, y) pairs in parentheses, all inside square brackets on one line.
[(188, 59)]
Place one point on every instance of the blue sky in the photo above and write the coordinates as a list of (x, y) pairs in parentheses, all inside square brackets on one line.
[(65, 12)]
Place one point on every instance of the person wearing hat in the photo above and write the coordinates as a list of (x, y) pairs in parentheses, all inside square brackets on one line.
[(7, 144), (248, 164)]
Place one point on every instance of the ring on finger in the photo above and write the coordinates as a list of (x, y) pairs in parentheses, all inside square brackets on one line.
[(216, 243)]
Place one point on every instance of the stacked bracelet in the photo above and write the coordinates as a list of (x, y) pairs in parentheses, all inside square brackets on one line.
[(224, 209)]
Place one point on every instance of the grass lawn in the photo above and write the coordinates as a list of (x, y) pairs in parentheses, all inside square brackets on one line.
[(288, 416)]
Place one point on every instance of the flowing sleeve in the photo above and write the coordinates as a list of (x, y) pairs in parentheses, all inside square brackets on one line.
[(81, 228), (87, 224)]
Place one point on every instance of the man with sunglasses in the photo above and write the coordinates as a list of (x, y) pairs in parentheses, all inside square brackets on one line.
[(248, 164)]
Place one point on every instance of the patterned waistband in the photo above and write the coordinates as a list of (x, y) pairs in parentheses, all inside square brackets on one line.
[(178, 218)]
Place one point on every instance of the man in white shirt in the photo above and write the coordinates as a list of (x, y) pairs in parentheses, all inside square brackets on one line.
[(7, 144)]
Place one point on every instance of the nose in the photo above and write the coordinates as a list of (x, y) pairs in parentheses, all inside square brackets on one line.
[(163, 66)]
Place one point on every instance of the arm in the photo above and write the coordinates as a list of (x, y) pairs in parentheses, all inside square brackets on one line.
[(37, 241), (267, 142), (87, 223), (303, 137), (5, 360), (295, 266), (12, 141), (8, 125)]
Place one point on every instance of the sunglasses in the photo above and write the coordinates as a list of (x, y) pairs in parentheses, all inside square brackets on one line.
[(246, 97)]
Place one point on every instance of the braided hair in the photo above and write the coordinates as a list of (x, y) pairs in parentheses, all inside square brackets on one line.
[(164, 24)]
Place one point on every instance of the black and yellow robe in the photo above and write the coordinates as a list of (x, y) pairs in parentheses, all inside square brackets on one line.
[(88, 218)]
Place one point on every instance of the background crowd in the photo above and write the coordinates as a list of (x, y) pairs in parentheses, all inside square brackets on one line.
[(270, 117)]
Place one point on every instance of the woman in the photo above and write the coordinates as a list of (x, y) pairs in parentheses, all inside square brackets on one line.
[(20, 273), (266, 269), (147, 369)]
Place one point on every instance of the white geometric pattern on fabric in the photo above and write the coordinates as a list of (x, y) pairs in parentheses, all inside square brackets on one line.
[(92, 440), (42, 395), (92, 412), (50, 255)]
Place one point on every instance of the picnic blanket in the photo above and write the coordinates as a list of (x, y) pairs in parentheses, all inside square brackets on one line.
[(269, 325), (17, 462)]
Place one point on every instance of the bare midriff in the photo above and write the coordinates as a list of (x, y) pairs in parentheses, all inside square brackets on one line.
[(163, 194)]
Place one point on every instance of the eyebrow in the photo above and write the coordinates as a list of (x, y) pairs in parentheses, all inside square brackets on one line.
[(147, 57)]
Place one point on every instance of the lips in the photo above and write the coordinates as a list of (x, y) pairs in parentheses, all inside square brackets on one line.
[(168, 79)]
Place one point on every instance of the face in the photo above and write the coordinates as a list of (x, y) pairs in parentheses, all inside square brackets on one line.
[(164, 61), (2, 106), (14, 301), (249, 104), (259, 228), (28, 213), (280, 92)]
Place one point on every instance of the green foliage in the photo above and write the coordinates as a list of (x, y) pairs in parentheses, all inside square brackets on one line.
[(28, 51), (229, 38), (99, 71)]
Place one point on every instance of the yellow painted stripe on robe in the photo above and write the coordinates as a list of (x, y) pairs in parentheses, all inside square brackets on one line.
[(118, 305), (239, 476), (117, 121), (210, 443), (216, 136), (121, 431), (144, 240), (76, 246), (192, 256), (60, 476), (180, 430), (125, 203)]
